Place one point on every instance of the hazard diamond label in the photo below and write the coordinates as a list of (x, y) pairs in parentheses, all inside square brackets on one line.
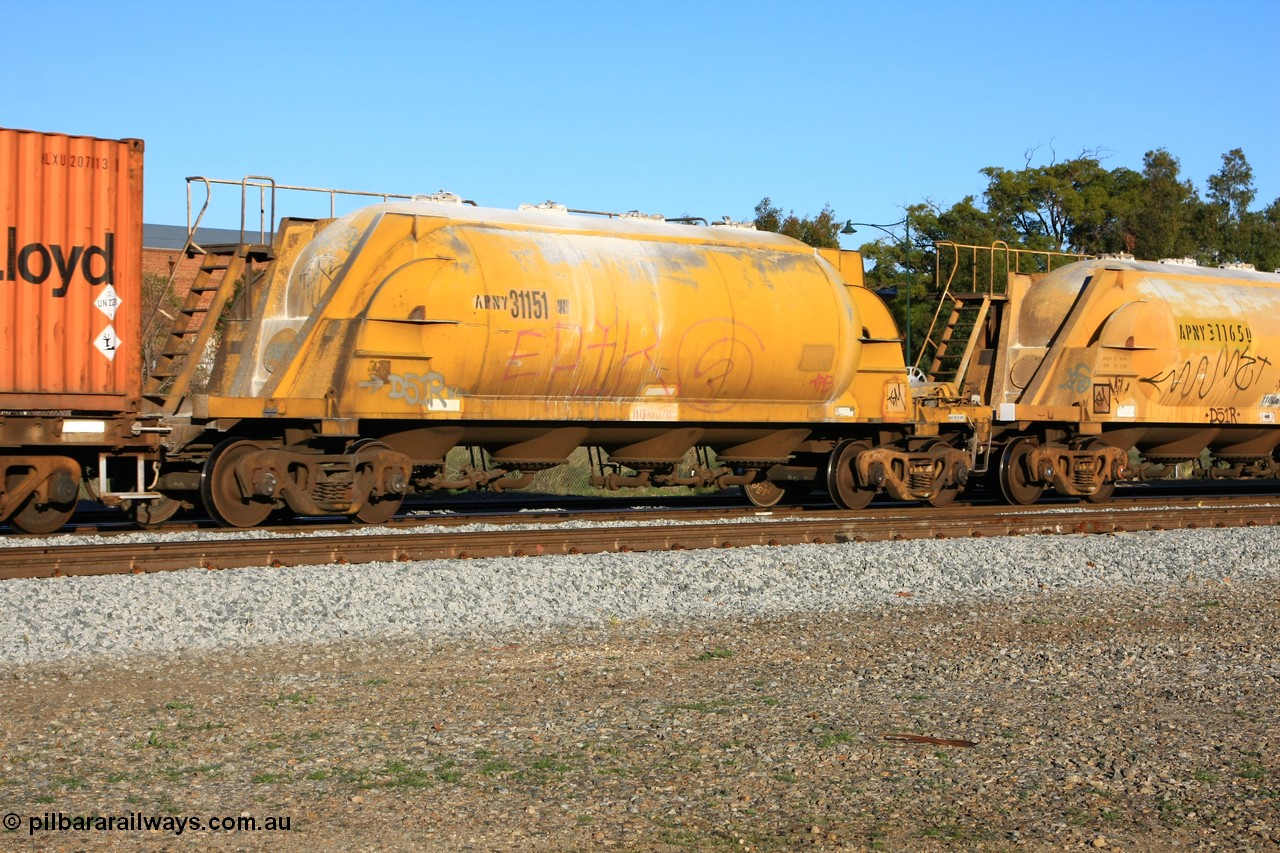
[(107, 342), (107, 302)]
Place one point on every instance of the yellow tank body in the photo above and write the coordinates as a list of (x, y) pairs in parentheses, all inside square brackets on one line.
[(1120, 343), (438, 310)]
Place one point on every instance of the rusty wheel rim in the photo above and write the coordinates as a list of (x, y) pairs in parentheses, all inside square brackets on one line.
[(221, 493), (1015, 478), (154, 513), (1106, 490), (41, 518), (377, 508), (842, 482), (763, 493), (944, 497)]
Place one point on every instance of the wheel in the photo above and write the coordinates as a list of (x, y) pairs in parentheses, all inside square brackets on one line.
[(221, 493), (944, 495), (378, 508), (1102, 495), (1016, 482), (767, 493), (1106, 490), (763, 493), (153, 513), (842, 482), (41, 518)]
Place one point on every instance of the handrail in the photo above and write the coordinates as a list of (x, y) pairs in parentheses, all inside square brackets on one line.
[(266, 226), (1045, 256), (173, 268), (261, 183), (942, 290), (245, 183)]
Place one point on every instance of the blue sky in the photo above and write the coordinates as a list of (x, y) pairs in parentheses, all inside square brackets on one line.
[(672, 107)]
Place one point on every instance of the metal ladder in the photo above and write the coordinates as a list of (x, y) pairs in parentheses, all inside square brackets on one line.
[(959, 337), (985, 276), (194, 325)]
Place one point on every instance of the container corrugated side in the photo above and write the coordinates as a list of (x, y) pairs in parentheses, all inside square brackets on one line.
[(70, 272)]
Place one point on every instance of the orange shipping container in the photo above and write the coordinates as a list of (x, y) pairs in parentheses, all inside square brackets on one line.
[(70, 272)]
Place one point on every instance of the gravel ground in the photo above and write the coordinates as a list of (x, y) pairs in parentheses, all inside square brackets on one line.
[(50, 619), (1120, 692)]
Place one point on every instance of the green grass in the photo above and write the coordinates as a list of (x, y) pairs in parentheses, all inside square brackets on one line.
[(155, 741), (834, 738), (69, 782), (955, 833), (294, 698), (1251, 770), (573, 477), (712, 707), (178, 774)]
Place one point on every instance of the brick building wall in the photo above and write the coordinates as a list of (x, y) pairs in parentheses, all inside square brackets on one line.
[(162, 253), (161, 263)]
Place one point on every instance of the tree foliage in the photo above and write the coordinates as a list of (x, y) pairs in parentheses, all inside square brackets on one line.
[(820, 231), (1073, 206), (1078, 206)]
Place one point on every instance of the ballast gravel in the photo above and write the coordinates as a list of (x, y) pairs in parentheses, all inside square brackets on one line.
[(198, 609)]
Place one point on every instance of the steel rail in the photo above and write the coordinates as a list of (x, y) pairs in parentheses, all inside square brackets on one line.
[(322, 550)]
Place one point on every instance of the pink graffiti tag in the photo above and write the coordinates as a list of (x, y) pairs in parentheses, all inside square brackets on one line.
[(823, 383)]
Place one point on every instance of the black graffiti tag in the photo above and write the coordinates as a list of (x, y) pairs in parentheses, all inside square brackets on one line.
[(1203, 376)]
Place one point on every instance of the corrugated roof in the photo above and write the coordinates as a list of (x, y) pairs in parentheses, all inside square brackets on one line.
[(174, 237)]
